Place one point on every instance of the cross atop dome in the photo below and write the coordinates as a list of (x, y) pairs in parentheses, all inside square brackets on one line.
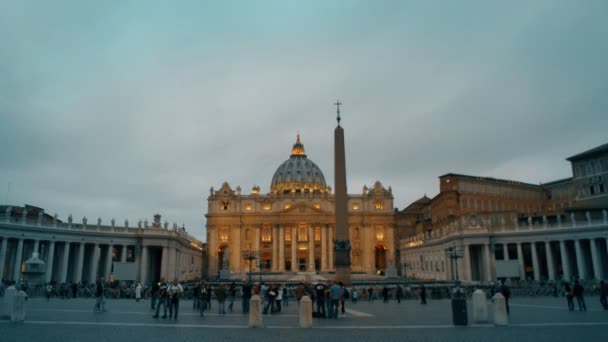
[(298, 148)]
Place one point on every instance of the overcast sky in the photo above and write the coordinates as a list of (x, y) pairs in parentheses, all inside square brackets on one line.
[(129, 108)]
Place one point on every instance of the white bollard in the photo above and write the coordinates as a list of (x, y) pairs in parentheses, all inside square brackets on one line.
[(305, 312), (500, 310), (255, 312), (480, 306), (6, 308), (18, 309)]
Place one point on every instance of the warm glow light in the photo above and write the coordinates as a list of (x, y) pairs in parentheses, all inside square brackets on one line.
[(317, 205), (356, 206), (267, 206), (286, 206), (248, 207)]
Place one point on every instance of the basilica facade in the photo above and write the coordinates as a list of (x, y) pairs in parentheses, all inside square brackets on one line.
[(291, 229)]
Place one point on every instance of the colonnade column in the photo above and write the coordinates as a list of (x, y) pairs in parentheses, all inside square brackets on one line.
[(18, 259), (143, 266), (564, 257), (311, 249), (257, 247), (323, 248), (123, 254), (36, 246), (550, 265), (94, 264), (520, 259), (294, 243), (79, 264), (466, 264), (488, 263), (108, 266), (3, 256), (282, 249), (535, 266), (595, 259), (580, 264), (505, 248), (164, 262), (49, 262), (64, 262)]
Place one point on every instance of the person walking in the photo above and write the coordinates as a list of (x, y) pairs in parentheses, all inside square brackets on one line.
[(174, 291), (162, 298), (279, 298), (385, 294), (569, 296), (196, 296), (155, 294), (506, 292), (320, 294), (355, 295), (370, 294), (335, 290), (399, 293), (603, 294), (422, 294), (48, 291), (138, 292), (220, 295), (271, 295), (231, 295), (344, 295), (285, 296), (246, 289), (203, 298), (578, 293), (99, 296)]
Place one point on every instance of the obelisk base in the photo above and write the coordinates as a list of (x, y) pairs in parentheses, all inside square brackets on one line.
[(342, 261)]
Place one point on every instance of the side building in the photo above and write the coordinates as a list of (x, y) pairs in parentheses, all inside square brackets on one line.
[(483, 229), (83, 252)]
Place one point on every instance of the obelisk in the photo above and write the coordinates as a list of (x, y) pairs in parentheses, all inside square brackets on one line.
[(341, 242)]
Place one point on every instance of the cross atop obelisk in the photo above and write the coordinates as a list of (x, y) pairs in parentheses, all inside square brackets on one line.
[(338, 104), (341, 242)]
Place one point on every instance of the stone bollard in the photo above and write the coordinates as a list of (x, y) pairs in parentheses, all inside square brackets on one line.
[(6, 308), (305, 312), (500, 310), (255, 312), (18, 309), (480, 306)]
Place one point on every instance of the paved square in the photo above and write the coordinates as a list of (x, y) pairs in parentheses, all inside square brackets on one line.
[(532, 319)]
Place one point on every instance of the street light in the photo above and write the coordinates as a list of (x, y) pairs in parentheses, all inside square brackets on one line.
[(250, 255)]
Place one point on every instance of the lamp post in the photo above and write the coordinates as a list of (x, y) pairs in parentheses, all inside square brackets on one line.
[(250, 255)]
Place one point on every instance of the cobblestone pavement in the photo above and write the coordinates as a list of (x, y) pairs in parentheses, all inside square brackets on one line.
[(532, 319)]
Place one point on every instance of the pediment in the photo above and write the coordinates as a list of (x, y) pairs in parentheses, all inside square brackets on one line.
[(302, 208)]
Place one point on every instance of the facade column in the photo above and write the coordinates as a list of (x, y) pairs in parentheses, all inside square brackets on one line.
[(330, 241), (505, 248), (3, 256), (489, 261), (18, 257), (64, 262), (595, 259), (565, 262), (535, 265), (294, 244), (123, 254), (49, 263), (282, 249), (550, 264), (108, 265), (94, 264), (466, 264), (79, 264), (256, 246), (580, 263), (36, 246), (311, 249), (520, 259), (275, 248), (236, 245), (323, 248)]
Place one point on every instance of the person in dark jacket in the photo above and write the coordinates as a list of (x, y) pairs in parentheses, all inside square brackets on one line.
[(569, 296), (231, 295), (155, 293), (422, 294), (385, 294), (506, 292), (399, 293), (603, 294), (220, 295), (578, 294), (99, 295), (246, 289)]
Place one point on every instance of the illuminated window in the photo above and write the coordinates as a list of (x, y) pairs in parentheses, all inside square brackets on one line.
[(266, 234), (317, 234), (287, 234), (225, 205), (286, 206), (355, 206), (267, 206), (224, 234), (248, 207), (302, 234), (317, 205), (379, 234), (379, 205)]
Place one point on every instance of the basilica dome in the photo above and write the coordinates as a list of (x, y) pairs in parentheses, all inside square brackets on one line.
[(298, 174)]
